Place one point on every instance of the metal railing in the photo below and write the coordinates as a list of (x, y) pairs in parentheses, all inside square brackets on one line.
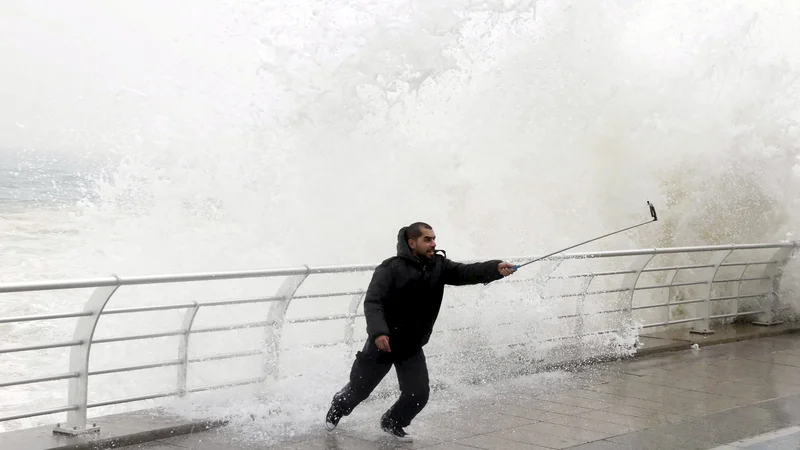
[(667, 297)]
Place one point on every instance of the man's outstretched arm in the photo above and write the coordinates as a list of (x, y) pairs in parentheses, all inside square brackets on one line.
[(459, 274)]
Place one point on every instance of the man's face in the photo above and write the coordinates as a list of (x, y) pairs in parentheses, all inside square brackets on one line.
[(425, 245)]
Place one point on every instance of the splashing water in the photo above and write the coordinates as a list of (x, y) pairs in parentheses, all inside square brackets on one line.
[(262, 134), (507, 125)]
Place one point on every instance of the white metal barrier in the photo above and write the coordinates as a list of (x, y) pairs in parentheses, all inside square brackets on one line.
[(703, 268)]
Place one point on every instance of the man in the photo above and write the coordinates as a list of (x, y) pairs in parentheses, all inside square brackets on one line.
[(401, 305)]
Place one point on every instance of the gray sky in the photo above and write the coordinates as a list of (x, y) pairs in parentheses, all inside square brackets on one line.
[(103, 75), (92, 74)]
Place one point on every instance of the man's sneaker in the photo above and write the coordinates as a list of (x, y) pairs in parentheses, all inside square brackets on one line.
[(332, 418), (390, 426)]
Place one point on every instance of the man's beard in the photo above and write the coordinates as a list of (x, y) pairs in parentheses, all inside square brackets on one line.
[(426, 257)]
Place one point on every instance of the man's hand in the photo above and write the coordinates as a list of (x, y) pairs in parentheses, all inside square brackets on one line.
[(383, 343), (506, 269)]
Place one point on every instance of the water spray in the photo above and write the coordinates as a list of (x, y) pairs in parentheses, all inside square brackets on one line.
[(652, 214)]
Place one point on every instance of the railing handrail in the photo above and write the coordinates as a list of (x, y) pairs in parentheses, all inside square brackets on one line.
[(79, 370), (24, 286), (667, 250)]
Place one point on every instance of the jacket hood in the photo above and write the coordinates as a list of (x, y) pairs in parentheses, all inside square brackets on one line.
[(404, 251)]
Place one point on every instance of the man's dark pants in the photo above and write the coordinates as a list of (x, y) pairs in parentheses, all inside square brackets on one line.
[(369, 368)]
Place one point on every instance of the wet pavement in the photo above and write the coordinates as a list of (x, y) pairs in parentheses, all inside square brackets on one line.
[(740, 395)]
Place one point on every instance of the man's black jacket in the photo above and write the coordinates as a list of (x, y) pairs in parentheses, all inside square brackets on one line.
[(405, 294)]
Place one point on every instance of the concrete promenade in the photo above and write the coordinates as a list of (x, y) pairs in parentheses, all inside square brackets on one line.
[(740, 394), (729, 396)]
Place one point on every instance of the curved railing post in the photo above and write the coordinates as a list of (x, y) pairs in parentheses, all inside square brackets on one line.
[(183, 348), (669, 280), (716, 260), (629, 282), (350, 322), (79, 362), (739, 289), (275, 318), (545, 272), (774, 272), (580, 313)]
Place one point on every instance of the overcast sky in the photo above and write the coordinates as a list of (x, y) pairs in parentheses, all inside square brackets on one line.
[(81, 74), (94, 75)]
